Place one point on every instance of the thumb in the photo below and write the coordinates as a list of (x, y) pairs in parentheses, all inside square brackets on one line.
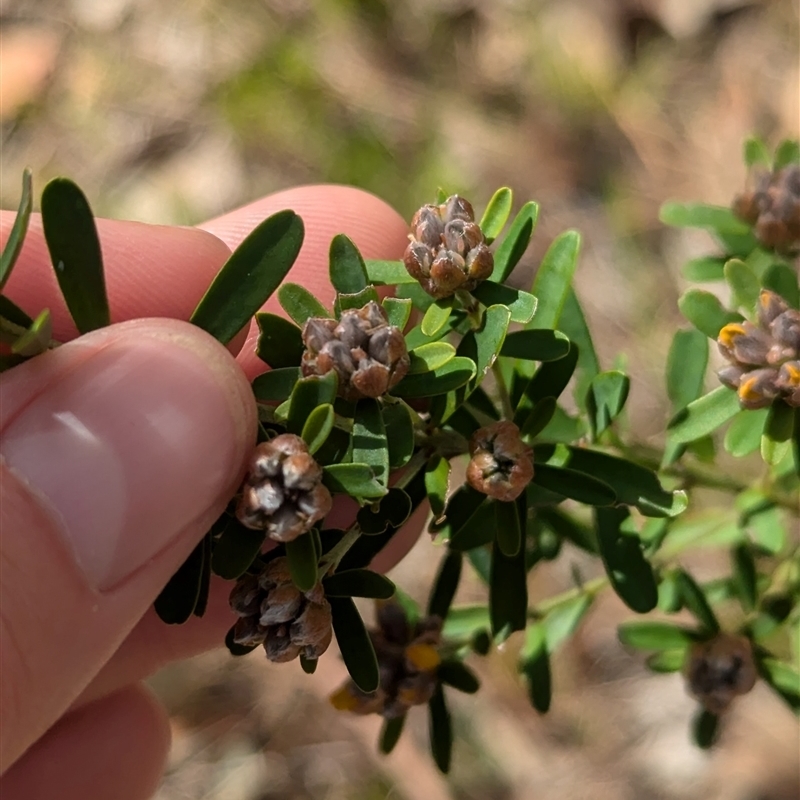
[(117, 452)]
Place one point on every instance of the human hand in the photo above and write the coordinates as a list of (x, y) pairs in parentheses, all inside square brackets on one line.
[(117, 451)]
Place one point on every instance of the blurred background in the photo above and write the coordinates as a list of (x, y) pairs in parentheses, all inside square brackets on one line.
[(173, 112)]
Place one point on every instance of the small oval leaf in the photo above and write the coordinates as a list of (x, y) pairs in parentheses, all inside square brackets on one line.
[(300, 304), (354, 644), (445, 585), (318, 426), (358, 583)]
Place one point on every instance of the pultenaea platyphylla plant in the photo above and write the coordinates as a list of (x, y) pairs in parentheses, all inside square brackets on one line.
[(375, 399)]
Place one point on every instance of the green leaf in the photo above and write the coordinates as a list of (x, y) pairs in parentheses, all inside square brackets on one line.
[(178, 599), (744, 284), (37, 338), (300, 304), (309, 394), (745, 576), (357, 480), (454, 374), (538, 419), (572, 322), (357, 300), (445, 585), (575, 485), (783, 678), (628, 570), (705, 312), (16, 237), (782, 279), (398, 311), (13, 313), (387, 273), (686, 367), (74, 246), (515, 243), (786, 153), (564, 619), (437, 483), (308, 665), (508, 534), (354, 644), (704, 415), (253, 272), (554, 279), (522, 305), (633, 484), (705, 729), (235, 550), (666, 661), (347, 270), (276, 385), (756, 153), (700, 215), (606, 398), (318, 426), (536, 345), (508, 592), (436, 316), (646, 635), (477, 531), (535, 666), (496, 214), (458, 675), (766, 528), (205, 579), (549, 380), (392, 510), (399, 427), (302, 556), (358, 583), (279, 342), (565, 527), (441, 730), (704, 269), (431, 356), (391, 730), (369, 439), (465, 622), (695, 601), (778, 432), (463, 503)]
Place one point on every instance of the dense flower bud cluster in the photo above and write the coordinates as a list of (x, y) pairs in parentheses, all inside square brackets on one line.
[(407, 659), (773, 208), (719, 670), (764, 358), (283, 492), (448, 250), (501, 464), (369, 355), (272, 611)]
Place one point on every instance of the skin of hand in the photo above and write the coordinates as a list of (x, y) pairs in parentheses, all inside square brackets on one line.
[(117, 451)]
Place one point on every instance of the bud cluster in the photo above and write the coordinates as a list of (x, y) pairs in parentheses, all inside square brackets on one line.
[(283, 491), (719, 670), (764, 358), (408, 659), (273, 612), (502, 464), (773, 208), (448, 250), (369, 355)]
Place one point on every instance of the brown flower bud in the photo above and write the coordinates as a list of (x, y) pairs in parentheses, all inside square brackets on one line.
[(501, 464), (731, 375), (770, 305), (789, 383), (758, 388), (448, 250), (408, 659), (273, 612), (744, 343), (785, 330), (720, 669), (283, 492), (773, 208), (368, 355)]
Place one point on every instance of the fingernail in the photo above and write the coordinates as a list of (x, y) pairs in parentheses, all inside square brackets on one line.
[(134, 443)]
